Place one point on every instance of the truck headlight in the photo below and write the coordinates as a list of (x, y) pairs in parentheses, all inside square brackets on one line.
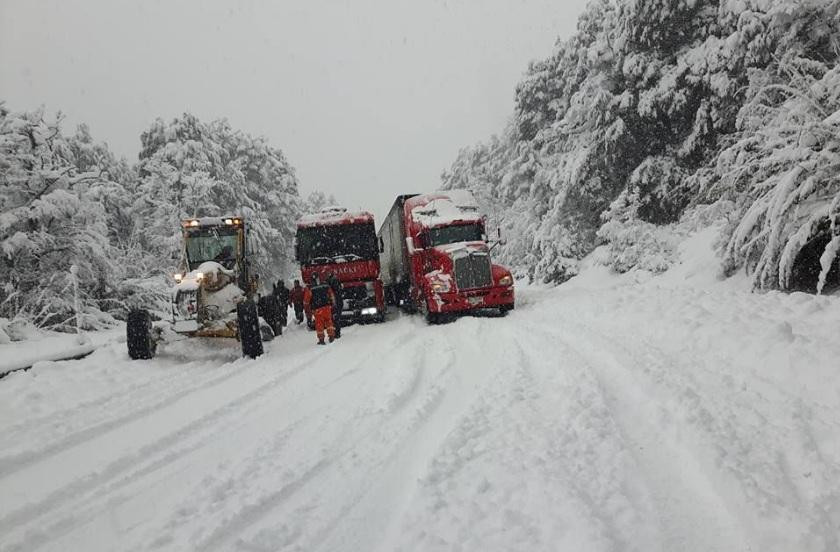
[(199, 275), (439, 285), (369, 311), (178, 277), (506, 280)]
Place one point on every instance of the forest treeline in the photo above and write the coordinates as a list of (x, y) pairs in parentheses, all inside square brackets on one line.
[(68, 200), (657, 116)]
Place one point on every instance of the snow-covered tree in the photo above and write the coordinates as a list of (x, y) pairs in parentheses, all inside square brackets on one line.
[(190, 168), (784, 172), (52, 216), (316, 201), (640, 104), (67, 200)]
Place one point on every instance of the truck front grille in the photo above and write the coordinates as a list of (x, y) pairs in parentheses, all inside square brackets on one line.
[(473, 271)]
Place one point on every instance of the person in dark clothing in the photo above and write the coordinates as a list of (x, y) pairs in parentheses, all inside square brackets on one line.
[(267, 307), (296, 297), (281, 292), (318, 300), (338, 305)]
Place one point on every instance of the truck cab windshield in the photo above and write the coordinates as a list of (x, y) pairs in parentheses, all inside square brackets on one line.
[(336, 244), (455, 234), (212, 244)]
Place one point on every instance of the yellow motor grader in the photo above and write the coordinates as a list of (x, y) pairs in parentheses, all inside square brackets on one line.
[(215, 293)]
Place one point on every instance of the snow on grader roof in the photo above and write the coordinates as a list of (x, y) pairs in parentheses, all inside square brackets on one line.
[(334, 216), (233, 220), (443, 208)]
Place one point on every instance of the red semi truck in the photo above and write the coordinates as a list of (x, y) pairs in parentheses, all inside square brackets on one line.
[(435, 257), (338, 242)]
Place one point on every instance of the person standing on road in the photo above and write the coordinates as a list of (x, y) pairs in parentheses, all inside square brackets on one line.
[(281, 292), (318, 300), (338, 305), (296, 297)]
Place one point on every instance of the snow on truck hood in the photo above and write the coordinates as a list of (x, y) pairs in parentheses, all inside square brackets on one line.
[(451, 206)]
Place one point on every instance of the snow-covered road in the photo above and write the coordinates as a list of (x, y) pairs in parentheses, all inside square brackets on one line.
[(607, 414)]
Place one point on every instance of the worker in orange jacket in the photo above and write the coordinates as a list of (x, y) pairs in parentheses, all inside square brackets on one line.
[(318, 300)]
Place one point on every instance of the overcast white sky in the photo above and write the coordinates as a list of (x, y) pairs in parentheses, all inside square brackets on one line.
[(367, 98)]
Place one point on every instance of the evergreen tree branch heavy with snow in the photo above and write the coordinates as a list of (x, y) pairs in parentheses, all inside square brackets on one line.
[(654, 106)]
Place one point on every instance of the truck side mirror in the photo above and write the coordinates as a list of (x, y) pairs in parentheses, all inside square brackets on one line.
[(381, 245)]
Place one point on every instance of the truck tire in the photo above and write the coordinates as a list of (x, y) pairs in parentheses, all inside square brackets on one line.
[(249, 329), (138, 330), (504, 309), (432, 318)]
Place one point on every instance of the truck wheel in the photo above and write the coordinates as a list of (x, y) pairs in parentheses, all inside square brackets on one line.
[(431, 317), (504, 309), (141, 342), (249, 329)]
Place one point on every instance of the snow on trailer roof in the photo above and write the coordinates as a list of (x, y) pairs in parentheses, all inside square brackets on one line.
[(443, 208), (334, 216)]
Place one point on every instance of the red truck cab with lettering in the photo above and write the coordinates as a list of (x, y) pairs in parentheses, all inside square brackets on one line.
[(343, 243)]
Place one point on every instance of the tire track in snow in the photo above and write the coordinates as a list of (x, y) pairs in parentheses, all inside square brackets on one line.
[(16, 462), (162, 454), (743, 456), (447, 395), (60, 496), (691, 511), (331, 460), (537, 454), (368, 454)]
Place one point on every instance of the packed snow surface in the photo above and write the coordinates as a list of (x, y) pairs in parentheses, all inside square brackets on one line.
[(610, 413)]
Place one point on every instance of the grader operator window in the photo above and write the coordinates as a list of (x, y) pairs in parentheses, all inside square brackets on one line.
[(212, 244)]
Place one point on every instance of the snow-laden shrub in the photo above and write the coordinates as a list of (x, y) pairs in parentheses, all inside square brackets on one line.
[(785, 171), (636, 244), (4, 335), (633, 243)]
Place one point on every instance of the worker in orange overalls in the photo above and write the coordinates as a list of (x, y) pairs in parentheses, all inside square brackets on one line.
[(318, 300)]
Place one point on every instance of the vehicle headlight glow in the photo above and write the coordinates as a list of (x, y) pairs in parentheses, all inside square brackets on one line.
[(506, 280), (369, 311), (178, 277), (199, 275), (439, 285)]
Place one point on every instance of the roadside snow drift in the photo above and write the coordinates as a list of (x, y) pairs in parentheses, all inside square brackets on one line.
[(611, 413)]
